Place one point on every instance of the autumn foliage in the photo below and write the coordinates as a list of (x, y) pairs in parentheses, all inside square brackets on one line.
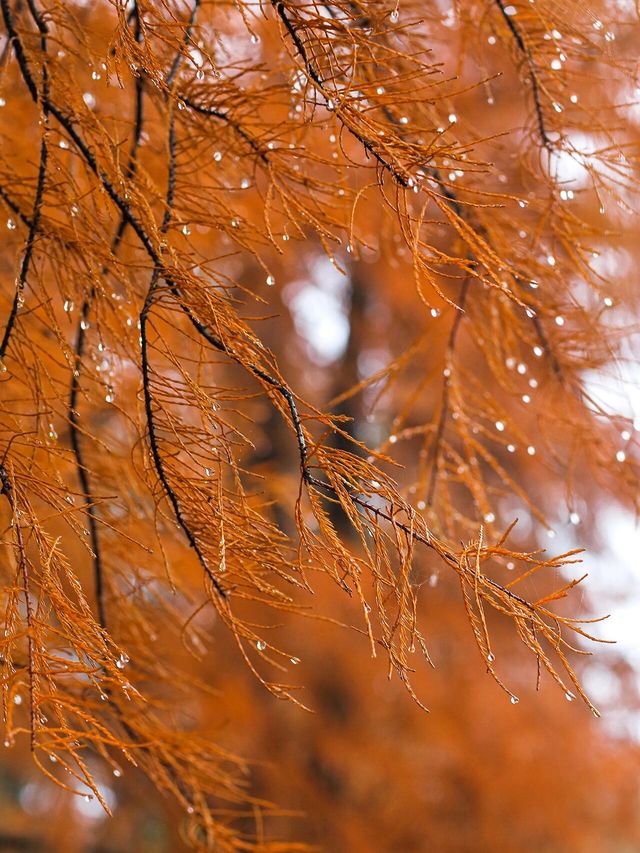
[(303, 307)]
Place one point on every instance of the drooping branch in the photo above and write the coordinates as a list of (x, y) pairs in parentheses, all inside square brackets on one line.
[(83, 325), (314, 75), (21, 281), (533, 74)]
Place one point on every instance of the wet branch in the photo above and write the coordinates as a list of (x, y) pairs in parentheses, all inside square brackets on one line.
[(533, 76), (315, 76), (73, 415), (21, 281)]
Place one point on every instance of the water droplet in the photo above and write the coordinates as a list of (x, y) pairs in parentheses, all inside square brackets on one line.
[(261, 645), (53, 435), (87, 798), (556, 64), (217, 156), (117, 772), (245, 183), (557, 107), (255, 39), (435, 312), (500, 426), (186, 230), (270, 280), (531, 450), (190, 809), (84, 324), (559, 320), (394, 16), (433, 580), (110, 395), (95, 75), (538, 352), (17, 699), (489, 517), (511, 448), (514, 700), (569, 696), (393, 439), (199, 74), (122, 661), (295, 661), (491, 657), (621, 456)]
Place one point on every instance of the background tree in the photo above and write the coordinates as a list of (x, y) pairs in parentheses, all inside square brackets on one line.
[(304, 305)]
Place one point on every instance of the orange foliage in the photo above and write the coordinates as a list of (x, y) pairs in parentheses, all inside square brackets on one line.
[(193, 496)]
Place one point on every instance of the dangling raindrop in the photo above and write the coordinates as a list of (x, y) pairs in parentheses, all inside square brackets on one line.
[(122, 661)]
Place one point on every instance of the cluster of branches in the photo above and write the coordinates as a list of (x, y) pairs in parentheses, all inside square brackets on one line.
[(130, 374)]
